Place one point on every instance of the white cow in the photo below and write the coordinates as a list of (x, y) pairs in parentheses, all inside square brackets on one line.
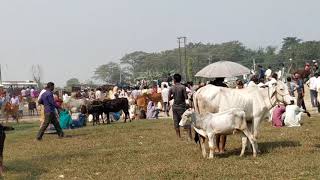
[(256, 102), (223, 123)]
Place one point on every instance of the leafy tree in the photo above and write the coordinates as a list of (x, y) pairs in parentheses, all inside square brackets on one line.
[(110, 73), (72, 82), (134, 61), (290, 42), (158, 65)]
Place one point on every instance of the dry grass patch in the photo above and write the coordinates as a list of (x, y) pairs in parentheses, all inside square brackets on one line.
[(148, 149)]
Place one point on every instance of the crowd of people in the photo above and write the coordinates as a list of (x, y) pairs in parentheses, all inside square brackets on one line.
[(176, 96), (289, 115)]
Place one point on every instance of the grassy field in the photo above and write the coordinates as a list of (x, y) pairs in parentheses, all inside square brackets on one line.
[(148, 149)]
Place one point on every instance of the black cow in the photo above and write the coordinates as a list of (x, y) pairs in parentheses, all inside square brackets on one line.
[(96, 108), (116, 105)]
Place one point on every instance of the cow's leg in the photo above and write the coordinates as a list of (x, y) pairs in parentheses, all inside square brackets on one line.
[(126, 115), (255, 129), (250, 128), (203, 147), (98, 118), (94, 120), (244, 143), (211, 142), (101, 114), (252, 141), (108, 120)]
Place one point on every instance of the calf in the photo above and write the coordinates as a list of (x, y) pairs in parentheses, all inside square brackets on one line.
[(11, 110), (224, 123), (96, 109)]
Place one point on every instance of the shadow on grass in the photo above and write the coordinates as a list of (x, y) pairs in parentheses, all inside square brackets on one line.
[(317, 146), (18, 126), (66, 135), (24, 168), (264, 147), (75, 135)]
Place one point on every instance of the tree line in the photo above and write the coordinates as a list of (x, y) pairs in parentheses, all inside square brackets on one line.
[(157, 65)]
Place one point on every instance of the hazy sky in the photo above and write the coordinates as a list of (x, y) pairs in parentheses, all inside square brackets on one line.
[(70, 38)]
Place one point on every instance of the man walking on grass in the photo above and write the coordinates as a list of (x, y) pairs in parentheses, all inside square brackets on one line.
[(312, 83), (165, 95), (179, 94), (49, 104)]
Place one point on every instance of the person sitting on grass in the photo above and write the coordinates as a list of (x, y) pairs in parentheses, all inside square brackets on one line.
[(79, 122), (293, 115), (152, 111), (277, 115), (65, 119)]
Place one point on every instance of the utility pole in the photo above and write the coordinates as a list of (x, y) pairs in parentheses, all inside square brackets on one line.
[(120, 73), (185, 58), (183, 71), (180, 64)]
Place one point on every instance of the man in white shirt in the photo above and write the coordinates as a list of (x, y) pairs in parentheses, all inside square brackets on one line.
[(268, 73), (15, 100), (312, 83), (135, 93), (293, 115), (165, 99), (23, 92), (41, 92), (253, 81)]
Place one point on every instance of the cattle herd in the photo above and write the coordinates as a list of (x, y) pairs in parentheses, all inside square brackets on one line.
[(216, 110)]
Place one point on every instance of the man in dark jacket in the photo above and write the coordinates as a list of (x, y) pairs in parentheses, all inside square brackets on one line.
[(179, 94)]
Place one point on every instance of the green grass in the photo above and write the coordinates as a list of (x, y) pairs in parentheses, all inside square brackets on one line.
[(149, 150)]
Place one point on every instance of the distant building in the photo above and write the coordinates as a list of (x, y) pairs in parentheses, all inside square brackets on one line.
[(18, 84)]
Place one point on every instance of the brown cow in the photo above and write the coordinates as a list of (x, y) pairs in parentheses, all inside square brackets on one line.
[(143, 100), (11, 110)]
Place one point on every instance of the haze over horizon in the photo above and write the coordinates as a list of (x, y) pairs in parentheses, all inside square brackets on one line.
[(71, 38)]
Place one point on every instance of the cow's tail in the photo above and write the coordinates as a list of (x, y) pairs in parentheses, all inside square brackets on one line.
[(196, 109), (195, 102)]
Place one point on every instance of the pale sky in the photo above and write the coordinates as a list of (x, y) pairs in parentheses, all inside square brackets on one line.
[(70, 38)]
